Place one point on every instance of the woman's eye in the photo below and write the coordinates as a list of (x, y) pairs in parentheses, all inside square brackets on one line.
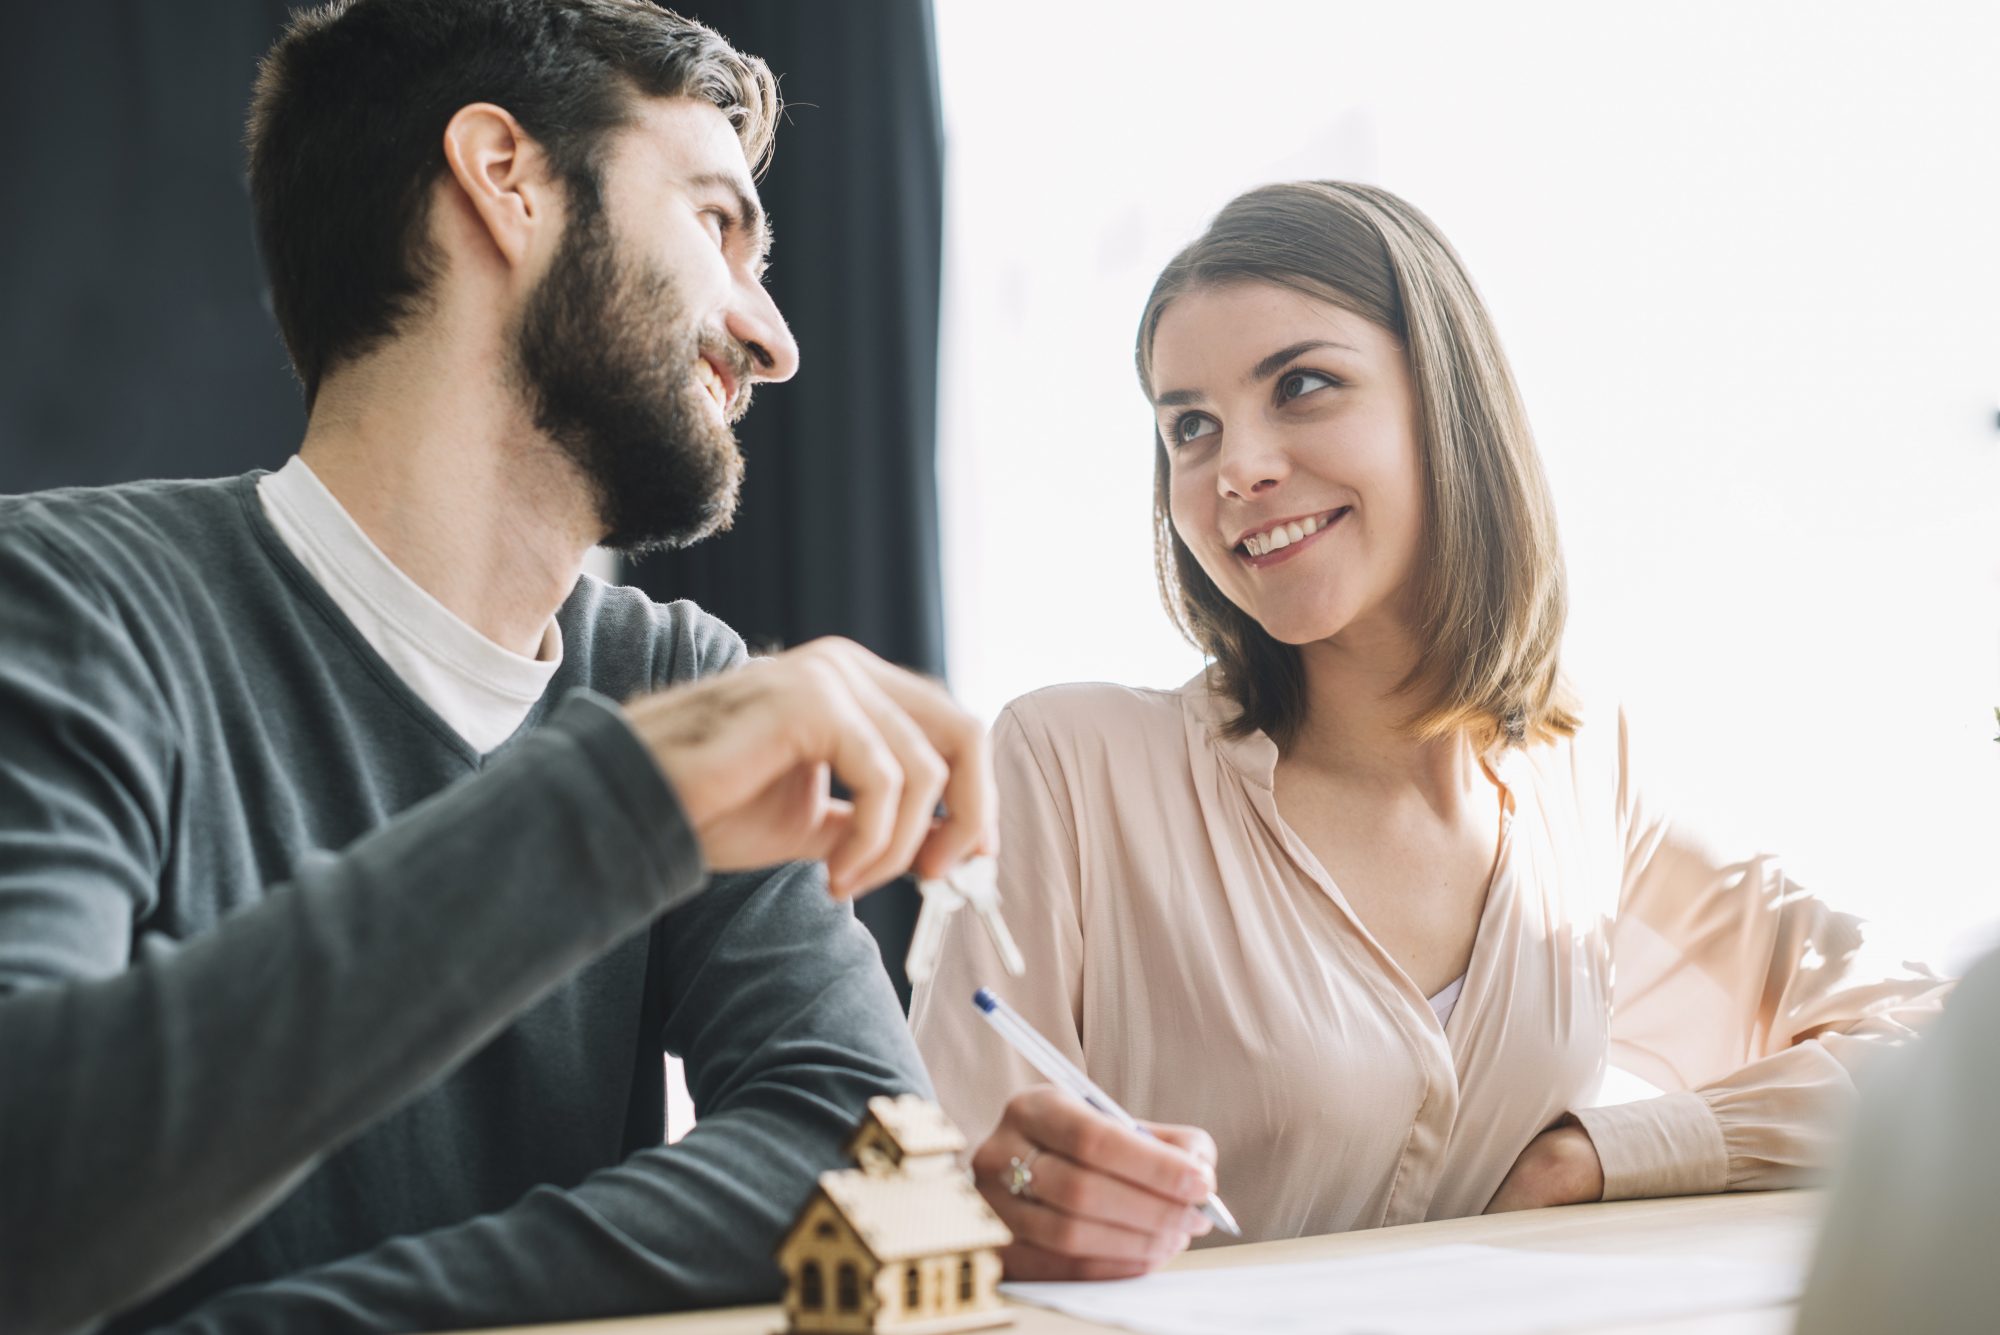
[(1301, 382), (1192, 426)]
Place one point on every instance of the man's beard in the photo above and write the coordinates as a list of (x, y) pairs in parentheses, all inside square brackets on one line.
[(608, 363)]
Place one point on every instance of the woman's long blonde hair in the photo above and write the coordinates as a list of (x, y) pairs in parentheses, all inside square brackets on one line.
[(1490, 597)]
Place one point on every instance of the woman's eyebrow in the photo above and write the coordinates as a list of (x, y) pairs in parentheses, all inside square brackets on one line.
[(1276, 361), (1175, 398)]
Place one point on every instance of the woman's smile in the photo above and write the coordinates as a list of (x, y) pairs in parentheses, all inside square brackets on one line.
[(1276, 543)]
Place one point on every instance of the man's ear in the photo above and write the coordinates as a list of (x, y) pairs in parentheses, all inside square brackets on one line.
[(503, 175)]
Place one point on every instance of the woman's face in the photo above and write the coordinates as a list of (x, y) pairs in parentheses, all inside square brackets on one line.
[(1291, 434)]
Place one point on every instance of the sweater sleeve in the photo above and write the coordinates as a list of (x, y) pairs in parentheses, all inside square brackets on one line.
[(788, 1025), (1749, 1001), (206, 1080), (976, 1073)]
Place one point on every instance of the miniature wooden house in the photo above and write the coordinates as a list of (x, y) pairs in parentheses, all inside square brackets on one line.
[(903, 1243)]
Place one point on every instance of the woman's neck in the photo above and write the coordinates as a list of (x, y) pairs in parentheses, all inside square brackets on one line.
[(1353, 731)]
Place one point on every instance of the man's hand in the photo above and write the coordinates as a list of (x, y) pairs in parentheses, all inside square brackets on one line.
[(750, 756), (1559, 1167), (1103, 1203)]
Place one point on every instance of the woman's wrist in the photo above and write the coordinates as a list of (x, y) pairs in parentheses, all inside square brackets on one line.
[(1559, 1167), (1572, 1172)]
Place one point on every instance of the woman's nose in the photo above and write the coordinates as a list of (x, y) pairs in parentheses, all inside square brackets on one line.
[(1251, 464)]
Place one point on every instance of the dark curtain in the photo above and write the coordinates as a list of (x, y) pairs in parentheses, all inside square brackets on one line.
[(838, 531), (136, 339)]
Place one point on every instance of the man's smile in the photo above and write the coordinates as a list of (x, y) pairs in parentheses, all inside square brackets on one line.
[(714, 378)]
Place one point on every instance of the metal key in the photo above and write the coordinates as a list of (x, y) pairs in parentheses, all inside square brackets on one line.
[(976, 883)]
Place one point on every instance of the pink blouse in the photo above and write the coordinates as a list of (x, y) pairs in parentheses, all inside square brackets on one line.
[(1188, 950)]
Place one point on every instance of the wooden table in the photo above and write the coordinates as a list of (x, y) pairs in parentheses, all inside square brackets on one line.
[(1755, 1226)]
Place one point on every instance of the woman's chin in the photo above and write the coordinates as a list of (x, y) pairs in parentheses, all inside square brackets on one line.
[(1300, 630)]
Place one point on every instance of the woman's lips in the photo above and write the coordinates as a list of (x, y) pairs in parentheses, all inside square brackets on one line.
[(1283, 554)]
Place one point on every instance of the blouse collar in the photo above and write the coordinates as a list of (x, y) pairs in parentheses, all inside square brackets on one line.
[(1255, 756)]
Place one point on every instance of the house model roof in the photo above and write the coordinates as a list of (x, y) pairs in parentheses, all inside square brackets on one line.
[(898, 1217), (918, 1126)]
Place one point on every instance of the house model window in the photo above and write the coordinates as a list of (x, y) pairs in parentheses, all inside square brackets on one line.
[(910, 1240)]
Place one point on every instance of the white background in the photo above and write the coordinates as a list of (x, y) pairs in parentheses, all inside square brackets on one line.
[(1746, 261)]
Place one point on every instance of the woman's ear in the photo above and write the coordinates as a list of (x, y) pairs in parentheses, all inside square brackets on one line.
[(501, 173)]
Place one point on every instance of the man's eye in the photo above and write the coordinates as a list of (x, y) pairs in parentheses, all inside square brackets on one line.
[(1192, 426), (1301, 382), (717, 223)]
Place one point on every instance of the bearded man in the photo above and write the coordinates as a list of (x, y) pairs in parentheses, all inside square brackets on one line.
[(345, 914)]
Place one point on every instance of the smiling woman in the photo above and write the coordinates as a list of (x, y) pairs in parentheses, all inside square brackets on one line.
[(1393, 370), (1366, 909)]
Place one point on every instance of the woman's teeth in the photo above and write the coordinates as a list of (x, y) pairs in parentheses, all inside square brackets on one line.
[(1284, 535)]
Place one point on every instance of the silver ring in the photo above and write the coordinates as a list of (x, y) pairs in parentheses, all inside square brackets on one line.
[(1020, 1173)]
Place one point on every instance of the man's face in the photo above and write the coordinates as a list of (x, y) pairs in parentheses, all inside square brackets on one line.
[(641, 343)]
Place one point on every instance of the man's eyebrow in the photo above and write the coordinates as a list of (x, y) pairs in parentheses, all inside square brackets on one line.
[(1175, 398), (749, 214)]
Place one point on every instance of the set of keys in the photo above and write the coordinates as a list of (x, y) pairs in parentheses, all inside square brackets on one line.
[(977, 883)]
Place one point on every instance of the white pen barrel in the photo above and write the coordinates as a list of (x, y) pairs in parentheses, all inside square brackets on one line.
[(1060, 1070)]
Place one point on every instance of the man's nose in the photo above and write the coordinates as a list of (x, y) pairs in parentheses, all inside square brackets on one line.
[(754, 322)]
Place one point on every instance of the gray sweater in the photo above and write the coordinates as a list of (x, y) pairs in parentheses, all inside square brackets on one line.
[(311, 1018)]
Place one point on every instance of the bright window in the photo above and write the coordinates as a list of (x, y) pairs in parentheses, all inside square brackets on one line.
[(1744, 261)]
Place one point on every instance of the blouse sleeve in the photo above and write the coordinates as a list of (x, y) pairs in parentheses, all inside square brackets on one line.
[(974, 1070), (1747, 999)]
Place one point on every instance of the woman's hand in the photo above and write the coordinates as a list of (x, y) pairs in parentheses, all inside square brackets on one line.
[(1100, 1202), (1559, 1167)]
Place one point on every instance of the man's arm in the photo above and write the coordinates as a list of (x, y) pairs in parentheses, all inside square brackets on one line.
[(150, 1111), (788, 1025)]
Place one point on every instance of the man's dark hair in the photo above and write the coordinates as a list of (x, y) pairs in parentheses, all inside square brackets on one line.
[(347, 128)]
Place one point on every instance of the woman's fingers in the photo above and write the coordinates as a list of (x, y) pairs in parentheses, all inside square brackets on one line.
[(1062, 1234), (1084, 1193), (1192, 1139), (1098, 1197), (1045, 1115), (1024, 1261)]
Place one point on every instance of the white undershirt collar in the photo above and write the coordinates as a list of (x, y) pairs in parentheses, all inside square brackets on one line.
[(482, 689), (1446, 1000)]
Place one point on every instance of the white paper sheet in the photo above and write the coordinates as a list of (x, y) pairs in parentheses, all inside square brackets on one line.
[(1456, 1290)]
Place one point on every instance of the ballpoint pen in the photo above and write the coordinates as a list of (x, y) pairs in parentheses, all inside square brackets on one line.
[(1041, 1054)]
